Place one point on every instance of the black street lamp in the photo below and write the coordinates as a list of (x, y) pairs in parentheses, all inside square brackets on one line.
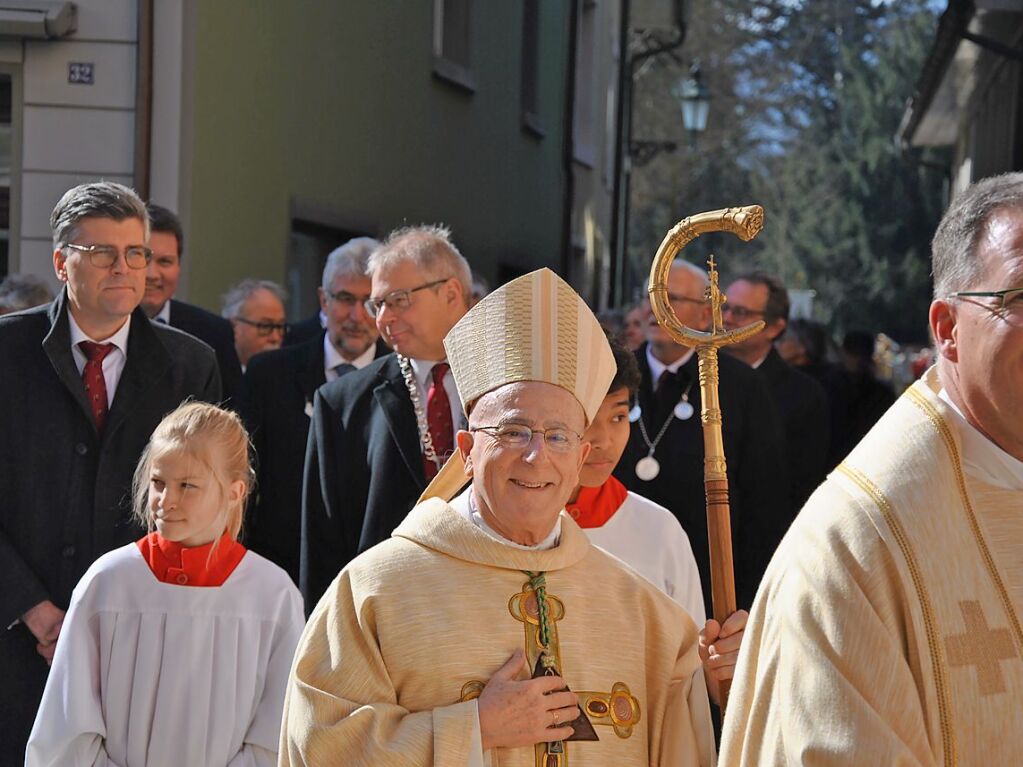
[(694, 99)]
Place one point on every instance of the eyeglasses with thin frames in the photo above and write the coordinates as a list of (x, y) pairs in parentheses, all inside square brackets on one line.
[(516, 436), (675, 298), (741, 313), (1010, 299), (345, 298), (105, 256), (264, 329), (397, 300)]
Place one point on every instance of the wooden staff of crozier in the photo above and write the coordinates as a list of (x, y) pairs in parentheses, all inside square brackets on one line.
[(745, 223)]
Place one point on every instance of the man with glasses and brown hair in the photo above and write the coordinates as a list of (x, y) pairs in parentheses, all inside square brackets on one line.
[(666, 428), (801, 401), (166, 240), (277, 399), (85, 379), (888, 626), (256, 310), (379, 434)]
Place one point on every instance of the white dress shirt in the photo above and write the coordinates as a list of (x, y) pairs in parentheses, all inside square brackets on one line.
[(164, 314), (657, 367), (332, 358), (421, 369), (113, 363)]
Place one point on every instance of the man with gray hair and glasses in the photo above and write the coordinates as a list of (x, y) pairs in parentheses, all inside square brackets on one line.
[(380, 434), (277, 399), (887, 629), (255, 309), (86, 379)]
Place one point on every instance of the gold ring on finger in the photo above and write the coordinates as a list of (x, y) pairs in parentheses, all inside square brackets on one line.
[(555, 718)]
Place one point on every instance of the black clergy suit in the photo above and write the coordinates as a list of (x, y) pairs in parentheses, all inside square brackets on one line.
[(754, 451), (65, 491), (363, 470), (276, 404), (218, 334), (803, 407)]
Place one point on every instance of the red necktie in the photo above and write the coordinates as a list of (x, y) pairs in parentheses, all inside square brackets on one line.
[(438, 418), (95, 383)]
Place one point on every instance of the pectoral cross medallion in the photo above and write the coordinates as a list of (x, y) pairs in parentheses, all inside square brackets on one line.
[(618, 709)]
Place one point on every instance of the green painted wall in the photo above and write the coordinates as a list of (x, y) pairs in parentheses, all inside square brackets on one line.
[(335, 103)]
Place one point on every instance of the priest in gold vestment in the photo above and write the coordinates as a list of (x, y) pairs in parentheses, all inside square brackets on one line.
[(488, 630), (887, 628)]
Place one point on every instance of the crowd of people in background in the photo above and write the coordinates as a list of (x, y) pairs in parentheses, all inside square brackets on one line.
[(319, 438)]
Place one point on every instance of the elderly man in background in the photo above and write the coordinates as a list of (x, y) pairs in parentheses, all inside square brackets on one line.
[(23, 291), (278, 394), (887, 628), (167, 241), (378, 435), (255, 309), (666, 428), (86, 379), (489, 629)]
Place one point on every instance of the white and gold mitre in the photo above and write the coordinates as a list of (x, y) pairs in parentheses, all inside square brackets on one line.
[(534, 328)]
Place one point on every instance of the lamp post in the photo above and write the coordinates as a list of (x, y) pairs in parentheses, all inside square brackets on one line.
[(635, 49), (694, 99)]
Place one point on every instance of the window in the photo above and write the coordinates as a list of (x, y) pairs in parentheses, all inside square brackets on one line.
[(452, 50), (530, 95), (584, 148)]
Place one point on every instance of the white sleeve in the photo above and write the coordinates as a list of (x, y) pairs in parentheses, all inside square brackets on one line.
[(688, 591), (477, 758), (263, 738), (69, 726)]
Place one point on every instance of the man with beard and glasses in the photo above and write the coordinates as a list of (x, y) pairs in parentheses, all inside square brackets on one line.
[(379, 435), (277, 398)]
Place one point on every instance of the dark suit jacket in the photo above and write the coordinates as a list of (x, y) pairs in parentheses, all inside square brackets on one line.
[(275, 403), (757, 474), (217, 333), (363, 470), (803, 407), (303, 330), (66, 491)]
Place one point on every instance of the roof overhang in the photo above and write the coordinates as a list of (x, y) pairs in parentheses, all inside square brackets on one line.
[(948, 78)]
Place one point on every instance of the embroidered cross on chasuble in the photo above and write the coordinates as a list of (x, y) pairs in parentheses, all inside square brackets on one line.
[(539, 613), (982, 648)]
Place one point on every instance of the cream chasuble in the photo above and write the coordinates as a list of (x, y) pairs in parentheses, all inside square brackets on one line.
[(400, 646), (887, 627)]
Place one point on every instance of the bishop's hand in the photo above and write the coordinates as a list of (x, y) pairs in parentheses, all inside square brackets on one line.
[(516, 713)]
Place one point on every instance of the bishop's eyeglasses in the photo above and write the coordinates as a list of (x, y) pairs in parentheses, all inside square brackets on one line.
[(1010, 299), (104, 256), (516, 436)]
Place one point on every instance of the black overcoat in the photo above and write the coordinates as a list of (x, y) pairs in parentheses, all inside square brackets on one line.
[(276, 403), (64, 490), (363, 470)]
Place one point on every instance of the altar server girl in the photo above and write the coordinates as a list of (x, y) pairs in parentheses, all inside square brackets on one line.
[(176, 649)]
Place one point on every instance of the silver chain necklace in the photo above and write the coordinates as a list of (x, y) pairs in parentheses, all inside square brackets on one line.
[(413, 392), (649, 467)]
